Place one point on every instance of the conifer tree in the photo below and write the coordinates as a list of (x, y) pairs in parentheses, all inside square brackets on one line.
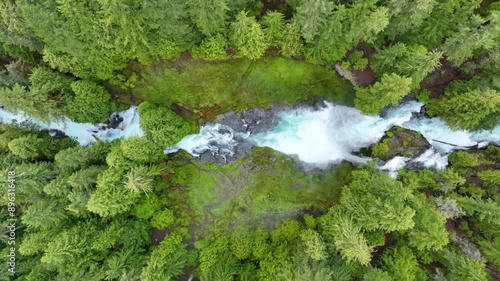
[(312, 16), (248, 37), (209, 16), (274, 23), (389, 90), (475, 109), (345, 236), (476, 33)]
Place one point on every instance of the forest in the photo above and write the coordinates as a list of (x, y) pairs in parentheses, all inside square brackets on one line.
[(124, 210)]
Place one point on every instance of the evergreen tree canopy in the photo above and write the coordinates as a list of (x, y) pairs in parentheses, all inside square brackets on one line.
[(248, 37), (388, 91)]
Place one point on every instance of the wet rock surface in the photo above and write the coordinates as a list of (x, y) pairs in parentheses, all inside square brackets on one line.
[(415, 166), (114, 121), (404, 142), (252, 121), (57, 134), (237, 127)]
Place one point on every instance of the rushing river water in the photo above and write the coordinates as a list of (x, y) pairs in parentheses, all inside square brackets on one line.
[(334, 132), (317, 136), (85, 133)]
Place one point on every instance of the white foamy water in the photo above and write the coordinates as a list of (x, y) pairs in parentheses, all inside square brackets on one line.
[(214, 137), (335, 132), (330, 134), (84, 133), (393, 165)]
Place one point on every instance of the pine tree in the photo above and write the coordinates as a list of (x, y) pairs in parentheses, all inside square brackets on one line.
[(315, 248), (141, 150), (460, 267), (376, 274), (162, 125), (71, 248), (85, 178), (332, 44), (469, 110), (274, 23), (28, 147), (44, 214), (141, 179), (241, 243), (163, 219), (15, 34), (30, 180), (377, 202), (429, 232), (91, 104), (358, 15), (291, 43), (123, 264), (446, 15), (167, 260), (476, 33), (44, 99), (35, 242), (414, 62), (388, 91), (72, 159), (312, 16), (208, 16), (248, 37), (345, 236), (110, 197), (490, 177), (211, 48), (407, 14), (400, 262)]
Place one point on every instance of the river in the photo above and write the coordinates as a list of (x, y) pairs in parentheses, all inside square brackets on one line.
[(317, 136)]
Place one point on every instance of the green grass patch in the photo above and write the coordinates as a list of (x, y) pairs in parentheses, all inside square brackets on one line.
[(240, 84)]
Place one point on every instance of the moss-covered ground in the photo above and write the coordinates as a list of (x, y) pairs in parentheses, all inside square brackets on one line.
[(259, 190), (239, 84)]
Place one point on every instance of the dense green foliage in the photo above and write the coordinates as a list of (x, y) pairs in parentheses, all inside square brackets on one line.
[(470, 110), (388, 91), (91, 103), (163, 126), (100, 212)]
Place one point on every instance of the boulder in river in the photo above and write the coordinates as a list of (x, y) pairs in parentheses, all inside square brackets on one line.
[(400, 142), (114, 121)]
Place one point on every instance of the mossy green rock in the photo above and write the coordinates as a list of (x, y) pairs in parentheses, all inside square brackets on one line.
[(402, 142)]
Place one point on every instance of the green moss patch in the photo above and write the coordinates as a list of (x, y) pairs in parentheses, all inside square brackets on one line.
[(400, 142), (259, 190), (240, 84)]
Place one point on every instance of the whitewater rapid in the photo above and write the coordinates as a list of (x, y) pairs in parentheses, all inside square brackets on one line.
[(316, 136), (334, 133)]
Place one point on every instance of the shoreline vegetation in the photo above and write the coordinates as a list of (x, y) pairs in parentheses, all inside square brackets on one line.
[(123, 210)]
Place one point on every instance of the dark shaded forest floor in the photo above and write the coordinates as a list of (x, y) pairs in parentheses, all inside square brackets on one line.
[(437, 81)]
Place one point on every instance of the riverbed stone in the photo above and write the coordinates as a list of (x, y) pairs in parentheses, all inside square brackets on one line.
[(402, 142)]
